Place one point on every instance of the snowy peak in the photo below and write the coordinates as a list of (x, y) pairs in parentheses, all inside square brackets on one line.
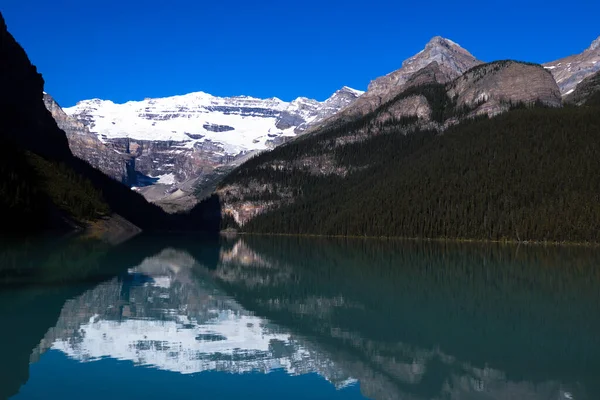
[(349, 90), (343, 97), (303, 113)]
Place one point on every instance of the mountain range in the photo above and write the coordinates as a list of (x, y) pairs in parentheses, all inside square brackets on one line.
[(171, 308), (175, 150), (371, 163), (490, 154), (166, 147)]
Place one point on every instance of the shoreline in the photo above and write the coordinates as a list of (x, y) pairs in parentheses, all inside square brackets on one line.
[(417, 239)]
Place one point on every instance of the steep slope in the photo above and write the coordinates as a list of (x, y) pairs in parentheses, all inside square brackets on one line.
[(587, 91), (88, 147), (452, 59), (24, 117), (178, 141), (569, 71), (42, 183), (524, 175), (527, 174), (441, 61)]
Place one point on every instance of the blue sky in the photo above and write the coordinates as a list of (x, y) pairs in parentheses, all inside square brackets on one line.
[(131, 49)]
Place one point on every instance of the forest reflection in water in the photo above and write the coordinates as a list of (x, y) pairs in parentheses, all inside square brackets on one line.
[(394, 319)]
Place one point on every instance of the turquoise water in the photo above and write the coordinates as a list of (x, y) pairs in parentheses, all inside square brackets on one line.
[(297, 318)]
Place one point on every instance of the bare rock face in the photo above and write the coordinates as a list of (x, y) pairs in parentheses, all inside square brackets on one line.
[(491, 88), (412, 106), (570, 71), (88, 147), (441, 61), (452, 59)]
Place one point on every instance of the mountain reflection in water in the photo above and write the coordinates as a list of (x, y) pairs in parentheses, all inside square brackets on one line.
[(398, 319)]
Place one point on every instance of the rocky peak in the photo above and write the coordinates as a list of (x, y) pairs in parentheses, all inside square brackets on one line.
[(441, 61), (570, 71), (86, 146), (595, 45), (440, 41), (304, 113), (350, 91), (452, 59), (343, 97)]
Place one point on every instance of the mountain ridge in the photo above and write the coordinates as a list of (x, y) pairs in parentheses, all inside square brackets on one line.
[(571, 70), (179, 142), (431, 108), (444, 58)]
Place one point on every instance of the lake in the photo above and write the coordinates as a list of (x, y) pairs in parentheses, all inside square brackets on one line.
[(297, 318)]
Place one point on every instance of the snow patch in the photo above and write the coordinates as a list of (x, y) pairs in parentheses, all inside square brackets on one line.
[(166, 179), (355, 92)]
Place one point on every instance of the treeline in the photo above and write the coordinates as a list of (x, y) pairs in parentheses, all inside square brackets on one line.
[(529, 174)]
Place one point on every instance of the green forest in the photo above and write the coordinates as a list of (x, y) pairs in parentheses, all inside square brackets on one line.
[(527, 175)]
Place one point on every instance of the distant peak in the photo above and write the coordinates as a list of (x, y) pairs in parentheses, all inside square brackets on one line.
[(441, 41), (595, 44), (353, 91)]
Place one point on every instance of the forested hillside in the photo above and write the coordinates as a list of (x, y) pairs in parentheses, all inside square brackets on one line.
[(529, 174)]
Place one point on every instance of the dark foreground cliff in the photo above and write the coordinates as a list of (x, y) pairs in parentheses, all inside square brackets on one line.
[(42, 184)]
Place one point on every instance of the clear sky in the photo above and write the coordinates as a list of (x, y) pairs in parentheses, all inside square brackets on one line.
[(131, 49)]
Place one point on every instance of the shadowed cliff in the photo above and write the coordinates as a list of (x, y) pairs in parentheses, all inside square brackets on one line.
[(42, 185)]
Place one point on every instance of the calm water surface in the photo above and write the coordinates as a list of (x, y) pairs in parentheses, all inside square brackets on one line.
[(297, 318)]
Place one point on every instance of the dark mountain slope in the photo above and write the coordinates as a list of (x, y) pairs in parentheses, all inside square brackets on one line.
[(341, 152), (526, 175), (587, 92), (24, 118)]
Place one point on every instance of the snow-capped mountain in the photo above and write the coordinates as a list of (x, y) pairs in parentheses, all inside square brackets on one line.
[(169, 315), (181, 138), (570, 71), (238, 123)]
